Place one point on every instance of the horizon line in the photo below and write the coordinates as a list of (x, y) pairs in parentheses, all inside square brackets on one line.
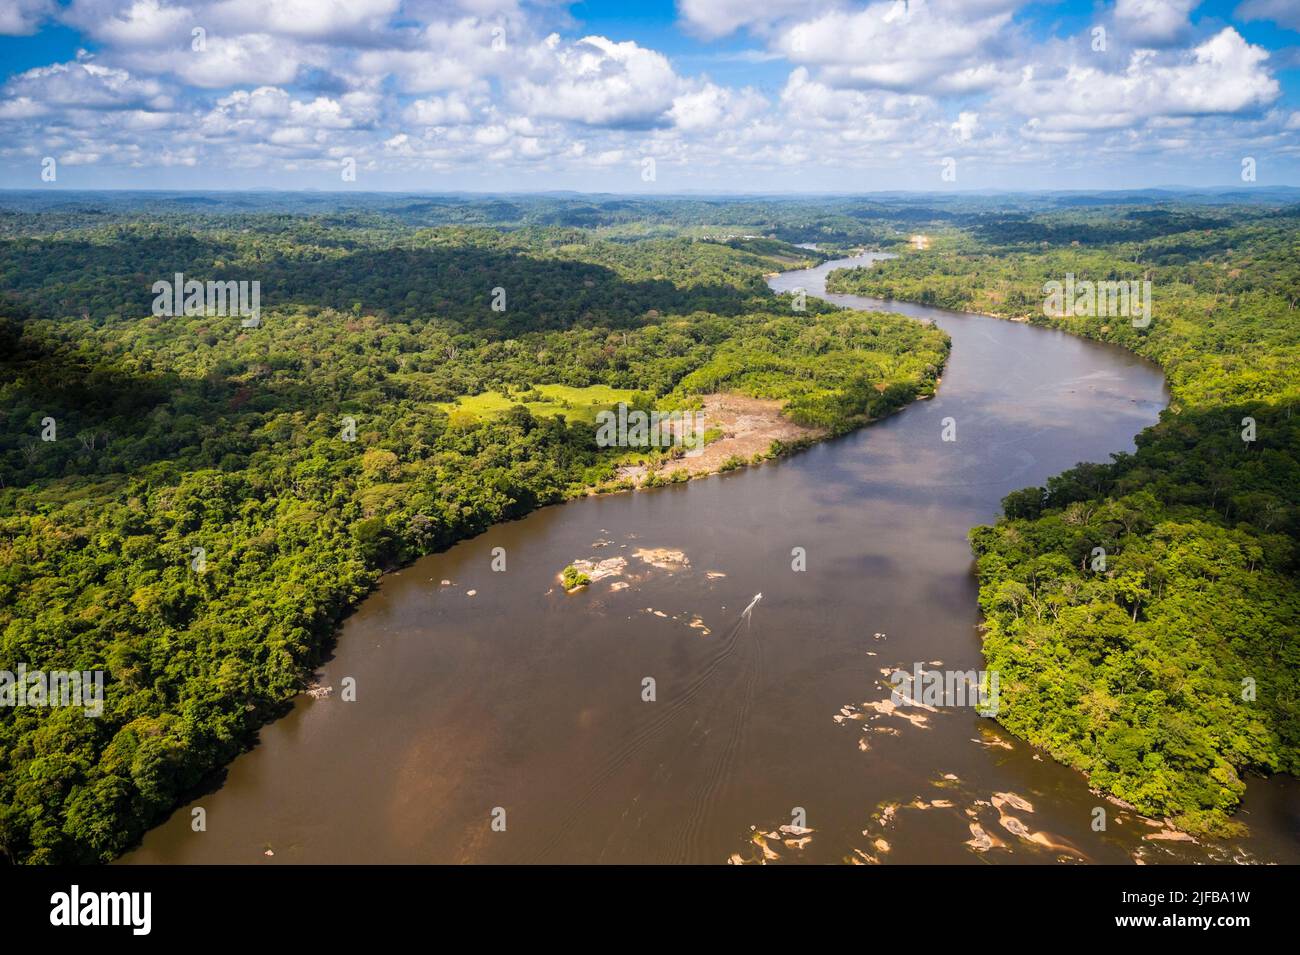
[(986, 191)]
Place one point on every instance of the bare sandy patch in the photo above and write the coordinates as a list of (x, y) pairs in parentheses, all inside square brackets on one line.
[(662, 557), (749, 427)]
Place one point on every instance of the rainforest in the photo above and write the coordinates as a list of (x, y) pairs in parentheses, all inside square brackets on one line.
[(194, 506)]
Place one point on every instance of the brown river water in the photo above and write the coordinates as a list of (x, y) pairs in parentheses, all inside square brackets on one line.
[(526, 699)]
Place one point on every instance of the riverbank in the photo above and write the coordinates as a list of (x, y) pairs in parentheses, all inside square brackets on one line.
[(746, 430), (1197, 484)]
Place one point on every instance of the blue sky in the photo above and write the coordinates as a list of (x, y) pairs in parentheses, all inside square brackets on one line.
[(648, 96)]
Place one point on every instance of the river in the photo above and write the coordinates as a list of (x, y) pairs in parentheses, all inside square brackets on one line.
[(511, 725)]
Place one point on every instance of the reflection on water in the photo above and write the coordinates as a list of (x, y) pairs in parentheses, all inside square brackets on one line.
[(525, 698)]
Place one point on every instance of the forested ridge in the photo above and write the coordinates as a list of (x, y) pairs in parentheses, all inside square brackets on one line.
[(182, 432), (1169, 668)]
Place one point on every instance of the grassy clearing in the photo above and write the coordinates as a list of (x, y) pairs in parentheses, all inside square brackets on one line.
[(576, 404)]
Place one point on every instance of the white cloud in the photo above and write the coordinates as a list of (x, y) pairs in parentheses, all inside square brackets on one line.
[(483, 85), (920, 45), (715, 18), (444, 55), (270, 106), (854, 115), (23, 17), (1284, 13), (255, 58), (596, 81), (78, 158), (711, 107), (309, 19), (965, 126), (453, 109), (84, 85), (21, 107), (131, 23), (1224, 74), (1157, 22)]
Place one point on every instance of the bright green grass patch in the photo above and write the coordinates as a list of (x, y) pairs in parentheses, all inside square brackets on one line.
[(576, 404)]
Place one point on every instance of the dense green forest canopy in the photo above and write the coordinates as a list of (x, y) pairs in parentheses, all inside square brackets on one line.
[(202, 521), (836, 221), (1171, 667)]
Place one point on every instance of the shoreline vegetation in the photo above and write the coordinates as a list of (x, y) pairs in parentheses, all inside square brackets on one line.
[(1144, 612), (303, 459)]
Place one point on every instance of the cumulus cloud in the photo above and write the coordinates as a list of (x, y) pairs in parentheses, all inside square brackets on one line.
[(965, 125), (1153, 21), (598, 82), (276, 115), (1222, 75), (307, 19), (346, 112), (854, 115), (443, 55), (1285, 13), (451, 110), (715, 18), (448, 85), (84, 85), (21, 107), (254, 58), (933, 46), (158, 22), (714, 107), (22, 17), (131, 23)]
